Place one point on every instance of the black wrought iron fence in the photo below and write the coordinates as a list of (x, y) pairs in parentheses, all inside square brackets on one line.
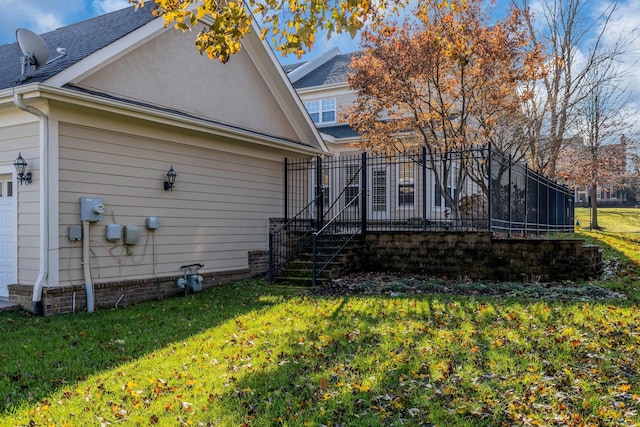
[(476, 189), (328, 242), (526, 202), (289, 238), (472, 190)]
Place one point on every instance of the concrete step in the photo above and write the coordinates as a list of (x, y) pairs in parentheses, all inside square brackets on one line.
[(6, 305), (299, 270)]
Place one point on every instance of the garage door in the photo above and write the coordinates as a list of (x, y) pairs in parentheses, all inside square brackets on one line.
[(7, 226)]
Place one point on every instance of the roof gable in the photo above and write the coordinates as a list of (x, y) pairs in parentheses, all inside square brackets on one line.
[(81, 40), (130, 56), (167, 72)]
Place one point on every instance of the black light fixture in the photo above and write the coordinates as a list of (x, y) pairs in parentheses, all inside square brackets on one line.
[(21, 165), (171, 179)]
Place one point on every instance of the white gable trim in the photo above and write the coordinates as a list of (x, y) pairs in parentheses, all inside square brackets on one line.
[(107, 54), (324, 88)]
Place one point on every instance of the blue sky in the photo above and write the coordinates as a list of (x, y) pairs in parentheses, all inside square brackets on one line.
[(45, 15), (41, 16)]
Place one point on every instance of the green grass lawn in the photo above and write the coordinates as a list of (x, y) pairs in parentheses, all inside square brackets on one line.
[(254, 355), (619, 238), (620, 231)]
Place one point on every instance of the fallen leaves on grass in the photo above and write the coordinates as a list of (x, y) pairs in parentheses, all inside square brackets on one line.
[(392, 284), (423, 359)]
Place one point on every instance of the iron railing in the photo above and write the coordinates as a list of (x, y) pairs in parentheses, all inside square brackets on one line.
[(399, 191), (467, 190), (331, 239), (290, 238)]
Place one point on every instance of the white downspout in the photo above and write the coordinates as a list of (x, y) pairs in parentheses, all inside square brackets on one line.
[(44, 200)]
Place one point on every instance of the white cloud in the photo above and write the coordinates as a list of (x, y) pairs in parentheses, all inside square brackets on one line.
[(106, 6), (45, 22), (626, 23), (625, 19), (38, 15)]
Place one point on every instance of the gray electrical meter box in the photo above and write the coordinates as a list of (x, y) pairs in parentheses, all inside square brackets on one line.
[(75, 232), (131, 234), (152, 222), (113, 232), (91, 209)]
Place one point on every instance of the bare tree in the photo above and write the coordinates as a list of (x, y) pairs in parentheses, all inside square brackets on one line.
[(575, 46), (632, 181), (599, 155)]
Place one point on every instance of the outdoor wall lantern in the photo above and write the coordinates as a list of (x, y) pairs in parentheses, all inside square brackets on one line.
[(21, 165), (171, 179)]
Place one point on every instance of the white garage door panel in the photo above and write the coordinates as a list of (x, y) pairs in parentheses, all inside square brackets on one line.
[(7, 218)]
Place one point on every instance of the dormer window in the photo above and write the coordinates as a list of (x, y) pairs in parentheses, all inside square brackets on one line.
[(322, 111)]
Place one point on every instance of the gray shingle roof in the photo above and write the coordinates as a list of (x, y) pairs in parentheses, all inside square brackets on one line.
[(333, 71), (340, 131), (80, 40)]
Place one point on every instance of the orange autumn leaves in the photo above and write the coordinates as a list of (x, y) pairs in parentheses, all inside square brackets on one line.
[(292, 24), (445, 78)]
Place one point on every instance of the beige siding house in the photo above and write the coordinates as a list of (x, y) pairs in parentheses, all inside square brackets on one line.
[(322, 85), (394, 190), (105, 123)]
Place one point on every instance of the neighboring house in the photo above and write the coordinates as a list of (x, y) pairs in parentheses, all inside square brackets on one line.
[(394, 190), (130, 101), (323, 87), (608, 195)]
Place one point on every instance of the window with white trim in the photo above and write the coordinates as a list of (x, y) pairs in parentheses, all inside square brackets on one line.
[(352, 185), (322, 111), (406, 185), (451, 183)]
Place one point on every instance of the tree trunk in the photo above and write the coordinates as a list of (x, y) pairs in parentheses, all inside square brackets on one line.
[(594, 208)]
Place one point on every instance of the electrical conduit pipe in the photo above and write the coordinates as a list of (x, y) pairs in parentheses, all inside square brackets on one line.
[(87, 266)]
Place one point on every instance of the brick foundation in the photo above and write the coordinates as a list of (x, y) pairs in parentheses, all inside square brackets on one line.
[(73, 299)]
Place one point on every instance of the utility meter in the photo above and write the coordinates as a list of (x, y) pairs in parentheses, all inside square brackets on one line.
[(91, 209), (131, 234)]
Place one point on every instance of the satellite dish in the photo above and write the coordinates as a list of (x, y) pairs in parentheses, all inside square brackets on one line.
[(33, 47), (35, 51)]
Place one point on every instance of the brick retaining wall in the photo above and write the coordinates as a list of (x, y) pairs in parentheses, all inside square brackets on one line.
[(480, 256)]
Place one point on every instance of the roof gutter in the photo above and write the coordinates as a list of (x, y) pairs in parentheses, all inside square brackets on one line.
[(44, 201)]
